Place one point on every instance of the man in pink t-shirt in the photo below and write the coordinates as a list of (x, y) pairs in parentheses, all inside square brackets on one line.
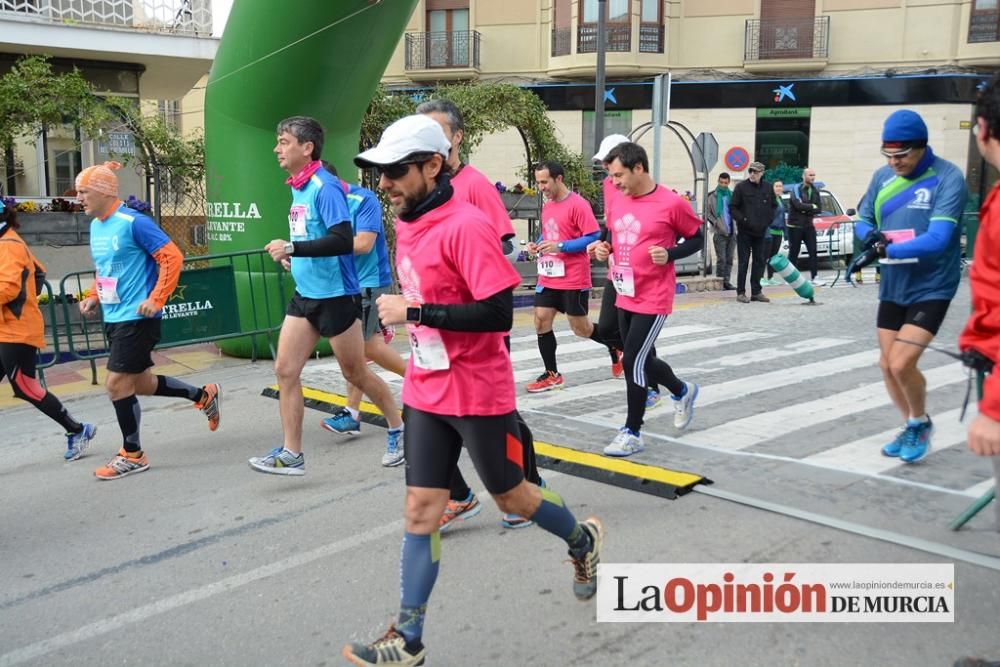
[(647, 225), (472, 187), (457, 304), (568, 227)]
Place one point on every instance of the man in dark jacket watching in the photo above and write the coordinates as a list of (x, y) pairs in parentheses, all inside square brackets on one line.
[(752, 208), (805, 204)]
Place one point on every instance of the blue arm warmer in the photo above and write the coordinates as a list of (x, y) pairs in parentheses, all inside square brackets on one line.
[(580, 244), (933, 242)]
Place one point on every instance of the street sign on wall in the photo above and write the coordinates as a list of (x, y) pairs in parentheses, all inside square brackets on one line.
[(737, 158)]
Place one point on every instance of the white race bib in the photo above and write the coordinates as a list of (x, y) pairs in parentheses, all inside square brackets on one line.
[(428, 348), (107, 290), (624, 280), (297, 220), (551, 266)]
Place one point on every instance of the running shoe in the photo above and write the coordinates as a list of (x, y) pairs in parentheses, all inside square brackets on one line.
[(514, 521), (280, 461), (389, 649), (458, 511), (545, 382), (652, 398), (917, 443), (585, 567), (684, 406), (122, 465), (617, 367), (343, 423), (77, 443), (818, 282), (892, 448), (210, 404), (394, 452), (626, 443)]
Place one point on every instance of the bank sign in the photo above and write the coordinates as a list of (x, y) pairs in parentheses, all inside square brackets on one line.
[(203, 306)]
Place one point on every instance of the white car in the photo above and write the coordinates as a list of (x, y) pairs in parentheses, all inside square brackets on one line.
[(834, 229)]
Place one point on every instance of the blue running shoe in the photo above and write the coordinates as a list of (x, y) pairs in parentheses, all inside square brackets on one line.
[(343, 423), (891, 449), (652, 399), (918, 441), (395, 454), (514, 521), (77, 443)]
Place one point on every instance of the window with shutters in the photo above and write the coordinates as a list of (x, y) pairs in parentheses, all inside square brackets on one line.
[(618, 29), (787, 29), (651, 26), (448, 36)]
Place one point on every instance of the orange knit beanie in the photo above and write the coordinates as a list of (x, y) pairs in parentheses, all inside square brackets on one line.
[(100, 178)]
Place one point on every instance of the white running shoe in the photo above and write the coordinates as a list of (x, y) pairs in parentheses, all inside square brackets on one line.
[(626, 443), (818, 282), (684, 406)]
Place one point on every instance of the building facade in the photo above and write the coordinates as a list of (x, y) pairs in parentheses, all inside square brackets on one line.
[(152, 51), (794, 81)]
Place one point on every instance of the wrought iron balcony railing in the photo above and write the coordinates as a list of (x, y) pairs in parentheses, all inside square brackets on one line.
[(650, 38), (438, 50), (774, 39), (191, 17), (619, 38), (984, 26), (561, 38)]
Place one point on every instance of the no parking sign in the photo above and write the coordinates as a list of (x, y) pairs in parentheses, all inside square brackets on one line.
[(737, 158)]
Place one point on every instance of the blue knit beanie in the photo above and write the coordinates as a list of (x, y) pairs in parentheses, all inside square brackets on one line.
[(904, 126)]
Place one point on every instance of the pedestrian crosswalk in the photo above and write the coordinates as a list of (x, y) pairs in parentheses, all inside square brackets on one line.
[(815, 400)]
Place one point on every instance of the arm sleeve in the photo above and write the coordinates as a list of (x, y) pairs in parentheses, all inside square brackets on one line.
[(170, 260), (580, 244), (932, 242), (339, 240), (494, 313), (691, 245)]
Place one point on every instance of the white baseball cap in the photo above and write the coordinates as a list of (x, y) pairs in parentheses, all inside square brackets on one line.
[(607, 144), (407, 136)]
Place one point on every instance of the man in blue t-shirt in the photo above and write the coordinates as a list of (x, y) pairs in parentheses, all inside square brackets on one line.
[(320, 254), (137, 269), (911, 212), (371, 258)]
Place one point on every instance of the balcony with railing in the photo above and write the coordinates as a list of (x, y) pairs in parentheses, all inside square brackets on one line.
[(186, 17), (562, 41), (442, 55), (619, 38), (787, 43), (984, 26), (650, 38)]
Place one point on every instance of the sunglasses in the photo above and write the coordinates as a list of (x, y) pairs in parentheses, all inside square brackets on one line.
[(396, 170), (896, 153)]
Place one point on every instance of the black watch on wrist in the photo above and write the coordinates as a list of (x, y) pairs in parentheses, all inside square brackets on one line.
[(413, 314)]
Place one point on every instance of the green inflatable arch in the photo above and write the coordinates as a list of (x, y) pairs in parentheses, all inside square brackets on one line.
[(324, 60)]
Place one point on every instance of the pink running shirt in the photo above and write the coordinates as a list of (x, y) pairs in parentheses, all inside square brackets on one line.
[(472, 186), (450, 255), (566, 220), (659, 218), (611, 193)]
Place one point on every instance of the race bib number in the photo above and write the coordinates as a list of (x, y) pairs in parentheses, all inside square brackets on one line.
[(107, 290), (551, 266), (900, 236), (428, 348), (624, 280), (297, 220)]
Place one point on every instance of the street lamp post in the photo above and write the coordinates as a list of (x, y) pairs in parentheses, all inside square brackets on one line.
[(599, 79)]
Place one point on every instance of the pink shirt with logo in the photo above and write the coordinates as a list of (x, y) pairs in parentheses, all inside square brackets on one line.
[(656, 219), (472, 186), (566, 220), (450, 255), (611, 193)]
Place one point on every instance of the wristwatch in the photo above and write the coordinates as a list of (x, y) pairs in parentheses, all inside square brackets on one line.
[(413, 314), (289, 248), (560, 246)]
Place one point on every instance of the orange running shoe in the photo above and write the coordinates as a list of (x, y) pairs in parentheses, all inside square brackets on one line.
[(210, 404), (121, 465), (617, 367), (459, 510), (545, 382)]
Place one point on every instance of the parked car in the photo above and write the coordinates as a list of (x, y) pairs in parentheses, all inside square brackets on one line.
[(834, 229)]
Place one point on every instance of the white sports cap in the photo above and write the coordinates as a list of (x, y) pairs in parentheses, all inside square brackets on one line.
[(607, 144), (408, 136)]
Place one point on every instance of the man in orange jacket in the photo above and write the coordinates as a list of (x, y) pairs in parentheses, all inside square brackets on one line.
[(22, 333), (138, 267), (982, 332)]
